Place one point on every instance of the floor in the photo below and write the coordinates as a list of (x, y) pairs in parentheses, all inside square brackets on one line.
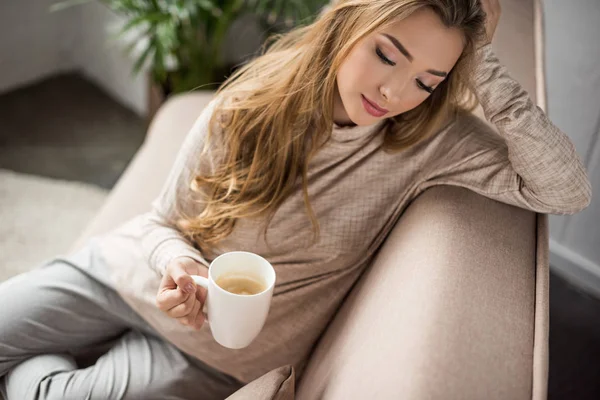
[(65, 127), (574, 343)]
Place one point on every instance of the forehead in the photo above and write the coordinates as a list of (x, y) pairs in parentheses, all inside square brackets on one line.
[(423, 34)]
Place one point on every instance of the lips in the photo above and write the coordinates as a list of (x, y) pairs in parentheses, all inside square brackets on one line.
[(373, 108)]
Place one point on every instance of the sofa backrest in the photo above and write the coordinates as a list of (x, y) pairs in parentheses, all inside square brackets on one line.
[(145, 175)]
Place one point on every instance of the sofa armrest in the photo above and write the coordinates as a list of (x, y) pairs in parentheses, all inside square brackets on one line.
[(448, 310)]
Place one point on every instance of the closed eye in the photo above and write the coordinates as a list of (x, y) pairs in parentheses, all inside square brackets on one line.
[(383, 57), (426, 88)]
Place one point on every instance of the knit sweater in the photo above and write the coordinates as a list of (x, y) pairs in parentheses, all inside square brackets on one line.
[(358, 192)]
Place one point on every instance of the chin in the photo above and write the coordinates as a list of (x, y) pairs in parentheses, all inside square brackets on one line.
[(357, 114), (363, 118), (356, 118)]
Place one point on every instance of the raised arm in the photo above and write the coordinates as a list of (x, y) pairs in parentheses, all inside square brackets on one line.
[(532, 164)]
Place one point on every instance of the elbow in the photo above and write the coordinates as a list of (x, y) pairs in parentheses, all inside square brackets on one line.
[(586, 198), (586, 194), (560, 201), (579, 201), (575, 207)]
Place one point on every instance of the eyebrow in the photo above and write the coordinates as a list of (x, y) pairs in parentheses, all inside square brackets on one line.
[(403, 50)]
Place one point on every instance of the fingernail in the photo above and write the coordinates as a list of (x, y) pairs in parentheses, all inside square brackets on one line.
[(190, 288)]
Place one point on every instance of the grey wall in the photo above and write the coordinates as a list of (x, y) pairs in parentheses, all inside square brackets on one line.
[(103, 61), (33, 42), (572, 41)]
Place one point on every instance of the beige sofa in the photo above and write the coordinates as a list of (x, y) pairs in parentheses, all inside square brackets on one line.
[(455, 305)]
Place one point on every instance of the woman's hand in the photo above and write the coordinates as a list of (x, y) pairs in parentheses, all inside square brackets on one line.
[(493, 11), (178, 296)]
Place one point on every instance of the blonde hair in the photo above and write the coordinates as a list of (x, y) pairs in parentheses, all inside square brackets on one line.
[(279, 110)]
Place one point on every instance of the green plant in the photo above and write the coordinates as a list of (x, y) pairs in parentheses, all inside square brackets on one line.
[(181, 41)]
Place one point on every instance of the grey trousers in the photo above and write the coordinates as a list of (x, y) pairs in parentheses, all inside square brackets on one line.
[(54, 318)]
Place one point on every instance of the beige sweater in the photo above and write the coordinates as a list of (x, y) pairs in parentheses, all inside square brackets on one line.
[(358, 192)]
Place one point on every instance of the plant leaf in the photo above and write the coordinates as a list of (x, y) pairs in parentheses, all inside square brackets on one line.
[(141, 59), (208, 5), (150, 18)]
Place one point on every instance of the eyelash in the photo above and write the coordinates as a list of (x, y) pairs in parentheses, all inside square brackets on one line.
[(387, 61)]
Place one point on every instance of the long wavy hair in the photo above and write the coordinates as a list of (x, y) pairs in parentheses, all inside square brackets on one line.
[(279, 110)]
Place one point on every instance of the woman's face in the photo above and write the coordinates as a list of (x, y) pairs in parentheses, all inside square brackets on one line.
[(396, 69)]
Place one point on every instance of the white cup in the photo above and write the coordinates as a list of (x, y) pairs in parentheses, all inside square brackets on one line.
[(235, 320)]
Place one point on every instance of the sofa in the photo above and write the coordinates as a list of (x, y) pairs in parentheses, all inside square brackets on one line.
[(455, 304)]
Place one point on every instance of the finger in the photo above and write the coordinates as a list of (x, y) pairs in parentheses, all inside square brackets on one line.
[(201, 294), (167, 283), (194, 315), (183, 309), (494, 6), (182, 277), (167, 299), (191, 316), (199, 321)]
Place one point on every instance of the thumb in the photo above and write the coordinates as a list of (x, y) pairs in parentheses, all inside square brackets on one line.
[(181, 270)]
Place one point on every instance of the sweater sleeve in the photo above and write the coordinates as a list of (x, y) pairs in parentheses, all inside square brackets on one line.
[(530, 164), (162, 241)]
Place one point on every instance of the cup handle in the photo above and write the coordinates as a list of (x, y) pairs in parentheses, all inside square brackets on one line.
[(200, 280)]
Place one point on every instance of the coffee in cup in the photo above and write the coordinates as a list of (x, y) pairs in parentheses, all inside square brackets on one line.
[(245, 285)]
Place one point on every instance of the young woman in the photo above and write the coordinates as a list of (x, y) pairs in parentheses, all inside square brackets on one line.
[(307, 156)]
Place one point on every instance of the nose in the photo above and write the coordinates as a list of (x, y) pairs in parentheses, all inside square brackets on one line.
[(392, 90)]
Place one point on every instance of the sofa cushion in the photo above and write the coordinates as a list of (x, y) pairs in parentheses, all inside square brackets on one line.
[(275, 385)]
